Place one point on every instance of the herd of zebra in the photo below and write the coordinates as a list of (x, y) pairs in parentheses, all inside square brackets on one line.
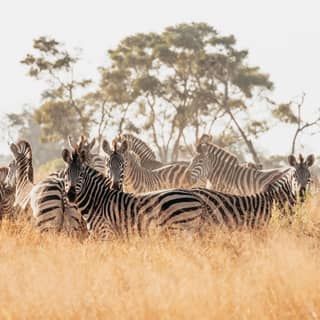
[(128, 191)]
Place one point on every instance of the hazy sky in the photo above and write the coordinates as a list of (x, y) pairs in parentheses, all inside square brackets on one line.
[(283, 37)]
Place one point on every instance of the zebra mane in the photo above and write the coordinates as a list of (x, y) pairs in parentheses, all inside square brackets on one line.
[(138, 146), (222, 154), (206, 139), (301, 159)]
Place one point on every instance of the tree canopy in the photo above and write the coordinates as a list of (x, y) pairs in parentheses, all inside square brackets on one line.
[(170, 87)]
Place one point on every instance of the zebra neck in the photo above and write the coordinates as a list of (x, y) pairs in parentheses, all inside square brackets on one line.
[(134, 174), (94, 189), (139, 147)]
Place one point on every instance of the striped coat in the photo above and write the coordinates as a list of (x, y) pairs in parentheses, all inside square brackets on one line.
[(7, 194), (225, 174), (144, 152), (138, 179), (234, 211), (112, 213), (22, 154)]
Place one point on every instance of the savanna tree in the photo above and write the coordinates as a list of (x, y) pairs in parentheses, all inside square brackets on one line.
[(63, 110), (185, 80)]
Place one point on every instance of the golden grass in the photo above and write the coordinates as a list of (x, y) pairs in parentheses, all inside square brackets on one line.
[(272, 273)]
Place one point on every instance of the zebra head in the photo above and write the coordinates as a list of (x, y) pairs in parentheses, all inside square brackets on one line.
[(302, 172), (82, 146), (199, 164), (115, 162), (22, 154), (74, 172), (92, 159)]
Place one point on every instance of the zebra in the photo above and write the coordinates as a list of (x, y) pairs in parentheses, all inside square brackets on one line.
[(144, 152), (140, 180), (111, 213), (302, 173), (50, 206), (93, 159), (251, 211), (257, 166), (22, 154), (7, 194), (51, 209), (236, 211), (140, 148), (224, 172)]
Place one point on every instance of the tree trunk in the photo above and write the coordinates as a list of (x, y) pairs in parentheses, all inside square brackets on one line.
[(242, 133), (175, 150)]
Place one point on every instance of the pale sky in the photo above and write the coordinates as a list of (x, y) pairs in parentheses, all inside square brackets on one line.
[(283, 38)]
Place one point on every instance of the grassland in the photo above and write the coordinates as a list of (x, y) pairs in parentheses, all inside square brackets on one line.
[(272, 273)]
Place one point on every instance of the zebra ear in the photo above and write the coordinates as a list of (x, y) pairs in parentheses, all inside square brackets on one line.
[(292, 160), (14, 149), (106, 147), (66, 156), (124, 147), (202, 148), (310, 160)]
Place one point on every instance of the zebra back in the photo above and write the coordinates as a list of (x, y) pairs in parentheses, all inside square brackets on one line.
[(225, 173), (52, 210), (234, 211)]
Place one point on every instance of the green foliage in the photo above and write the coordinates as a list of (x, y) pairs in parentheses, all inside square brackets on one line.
[(63, 97), (188, 78), (189, 69), (57, 121), (284, 113)]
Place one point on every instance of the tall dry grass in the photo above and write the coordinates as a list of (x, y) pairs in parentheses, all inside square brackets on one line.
[(267, 274)]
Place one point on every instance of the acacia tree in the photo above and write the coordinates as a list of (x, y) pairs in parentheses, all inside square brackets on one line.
[(292, 113), (185, 77), (63, 111)]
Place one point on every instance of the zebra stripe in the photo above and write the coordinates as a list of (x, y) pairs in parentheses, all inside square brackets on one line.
[(51, 209), (144, 152), (234, 211), (7, 194), (138, 146), (92, 159), (138, 179), (112, 213), (50, 206), (22, 154), (225, 174), (302, 173)]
